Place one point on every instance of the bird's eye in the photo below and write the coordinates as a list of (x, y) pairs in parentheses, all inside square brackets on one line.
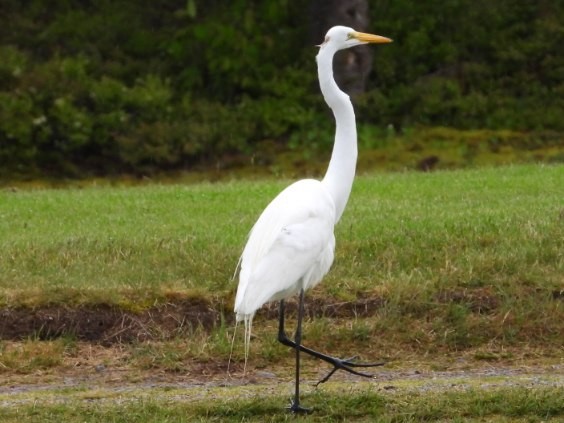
[(350, 35)]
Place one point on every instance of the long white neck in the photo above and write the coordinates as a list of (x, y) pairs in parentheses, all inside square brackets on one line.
[(340, 173)]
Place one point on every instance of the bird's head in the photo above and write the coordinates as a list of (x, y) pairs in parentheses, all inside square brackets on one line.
[(342, 37)]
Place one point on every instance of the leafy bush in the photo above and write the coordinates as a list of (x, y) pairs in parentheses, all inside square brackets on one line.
[(130, 86)]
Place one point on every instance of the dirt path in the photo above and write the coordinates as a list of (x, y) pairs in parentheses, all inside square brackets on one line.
[(101, 384)]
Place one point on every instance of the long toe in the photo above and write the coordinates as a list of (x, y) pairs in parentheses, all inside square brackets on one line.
[(348, 366), (296, 408), (351, 363)]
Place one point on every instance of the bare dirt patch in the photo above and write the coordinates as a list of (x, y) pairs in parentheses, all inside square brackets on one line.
[(108, 324), (104, 323)]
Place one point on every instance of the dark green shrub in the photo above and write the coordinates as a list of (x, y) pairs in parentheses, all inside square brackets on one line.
[(135, 86)]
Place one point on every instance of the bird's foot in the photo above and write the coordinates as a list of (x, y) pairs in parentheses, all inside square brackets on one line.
[(347, 365), (296, 408)]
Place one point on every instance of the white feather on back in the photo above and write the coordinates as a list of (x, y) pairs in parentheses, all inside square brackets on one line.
[(290, 247)]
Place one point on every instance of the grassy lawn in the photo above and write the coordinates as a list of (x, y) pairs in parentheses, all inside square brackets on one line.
[(452, 258), (500, 228), (452, 239), (446, 264)]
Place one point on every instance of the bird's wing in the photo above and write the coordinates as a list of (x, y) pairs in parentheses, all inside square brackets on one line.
[(291, 241)]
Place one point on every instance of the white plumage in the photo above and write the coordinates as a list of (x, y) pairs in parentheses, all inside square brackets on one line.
[(290, 247)]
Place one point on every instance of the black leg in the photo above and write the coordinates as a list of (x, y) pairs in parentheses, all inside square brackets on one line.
[(295, 406), (347, 364)]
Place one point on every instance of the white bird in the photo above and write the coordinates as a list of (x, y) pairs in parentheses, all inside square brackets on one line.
[(291, 246)]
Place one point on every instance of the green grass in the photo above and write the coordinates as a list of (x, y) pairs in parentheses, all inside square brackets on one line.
[(469, 227), (255, 404), (104, 241), (458, 257)]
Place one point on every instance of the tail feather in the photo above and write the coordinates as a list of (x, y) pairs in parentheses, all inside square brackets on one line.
[(231, 350), (248, 321), (248, 329)]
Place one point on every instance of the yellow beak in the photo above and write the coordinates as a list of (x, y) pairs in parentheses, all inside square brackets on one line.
[(370, 38)]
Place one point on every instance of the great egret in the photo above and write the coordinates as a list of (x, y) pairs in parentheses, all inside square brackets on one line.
[(290, 247)]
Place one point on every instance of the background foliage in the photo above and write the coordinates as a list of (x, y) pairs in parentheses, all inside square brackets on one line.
[(130, 86)]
